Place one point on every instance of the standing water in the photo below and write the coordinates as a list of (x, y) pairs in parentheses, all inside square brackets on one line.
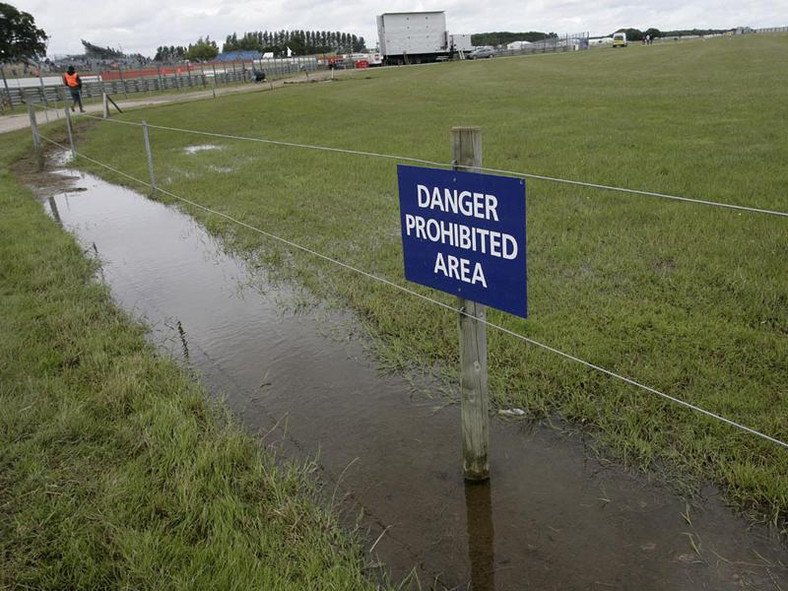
[(550, 518)]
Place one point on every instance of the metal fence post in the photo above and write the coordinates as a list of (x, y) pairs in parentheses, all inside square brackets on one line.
[(7, 93), (70, 132), (122, 81), (41, 83), (215, 81), (36, 136), (150, 158), (467, 152)]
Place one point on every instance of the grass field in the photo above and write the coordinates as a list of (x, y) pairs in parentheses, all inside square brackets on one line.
[(115, 469), (688, 299)]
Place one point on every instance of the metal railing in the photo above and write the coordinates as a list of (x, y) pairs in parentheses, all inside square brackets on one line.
[(195, 77)]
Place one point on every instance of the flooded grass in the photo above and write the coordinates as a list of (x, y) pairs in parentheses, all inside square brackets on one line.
[(115, 469), (296, 373), (687, 299), (201, 148)]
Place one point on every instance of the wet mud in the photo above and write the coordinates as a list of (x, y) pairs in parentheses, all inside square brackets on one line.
[(551, 517)]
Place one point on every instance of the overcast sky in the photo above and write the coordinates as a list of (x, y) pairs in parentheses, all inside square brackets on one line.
[(141, 26)]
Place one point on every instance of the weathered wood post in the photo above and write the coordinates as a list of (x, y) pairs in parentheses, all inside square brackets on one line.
[(105, 105), (36, 136), (150, 158), (70, 132), (467, 151)]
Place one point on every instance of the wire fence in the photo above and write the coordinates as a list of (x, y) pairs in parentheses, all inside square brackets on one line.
[(511, 173), (410, 292), (51, 91)]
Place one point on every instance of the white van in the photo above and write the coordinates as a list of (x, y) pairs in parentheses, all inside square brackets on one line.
[(620, 40)]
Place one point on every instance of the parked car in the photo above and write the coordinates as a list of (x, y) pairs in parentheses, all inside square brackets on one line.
[(481, 52)]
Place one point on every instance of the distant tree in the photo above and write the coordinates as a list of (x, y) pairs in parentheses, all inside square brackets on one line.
[(170, 54), (681, 32), (204, 50), (506, 37), (300, 42), (19, 36), (653, 33)]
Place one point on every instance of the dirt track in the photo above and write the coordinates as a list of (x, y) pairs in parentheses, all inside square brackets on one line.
[(20, 121)]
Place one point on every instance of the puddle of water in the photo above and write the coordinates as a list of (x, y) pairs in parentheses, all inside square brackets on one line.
[(201, 148), (550, 518)]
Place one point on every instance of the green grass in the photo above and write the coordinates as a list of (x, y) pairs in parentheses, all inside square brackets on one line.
[(115, 469), (688, 299)]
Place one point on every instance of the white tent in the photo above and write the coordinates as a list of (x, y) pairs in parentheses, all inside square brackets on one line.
[(518, 44)]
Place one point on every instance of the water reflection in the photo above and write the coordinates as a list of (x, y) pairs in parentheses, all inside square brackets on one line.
[(53, 210), (481, 534)]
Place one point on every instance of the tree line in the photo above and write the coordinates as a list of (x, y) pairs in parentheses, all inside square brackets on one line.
[(203, 50), (506, 37), (299, 42), (638, 35)]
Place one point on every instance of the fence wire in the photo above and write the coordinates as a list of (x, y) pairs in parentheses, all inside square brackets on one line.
[(510, 173), (435, 302)]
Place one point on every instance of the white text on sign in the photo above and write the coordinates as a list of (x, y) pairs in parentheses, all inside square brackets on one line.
[(458, 235)]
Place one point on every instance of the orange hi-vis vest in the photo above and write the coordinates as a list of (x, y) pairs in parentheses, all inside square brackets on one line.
[(71, 80)]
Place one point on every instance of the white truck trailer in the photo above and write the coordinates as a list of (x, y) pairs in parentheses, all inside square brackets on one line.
[(460, 42), (413, 37)]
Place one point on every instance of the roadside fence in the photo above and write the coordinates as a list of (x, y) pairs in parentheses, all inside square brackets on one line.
[(159, 79), (561, 44)]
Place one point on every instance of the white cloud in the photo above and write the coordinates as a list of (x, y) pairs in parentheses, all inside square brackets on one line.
[(143, 25)]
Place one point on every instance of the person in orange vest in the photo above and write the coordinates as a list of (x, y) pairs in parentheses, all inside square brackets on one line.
[(74, 83)]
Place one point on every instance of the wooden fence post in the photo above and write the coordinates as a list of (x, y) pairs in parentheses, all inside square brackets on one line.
[(105, 105), (150, 158), (467, 151)]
